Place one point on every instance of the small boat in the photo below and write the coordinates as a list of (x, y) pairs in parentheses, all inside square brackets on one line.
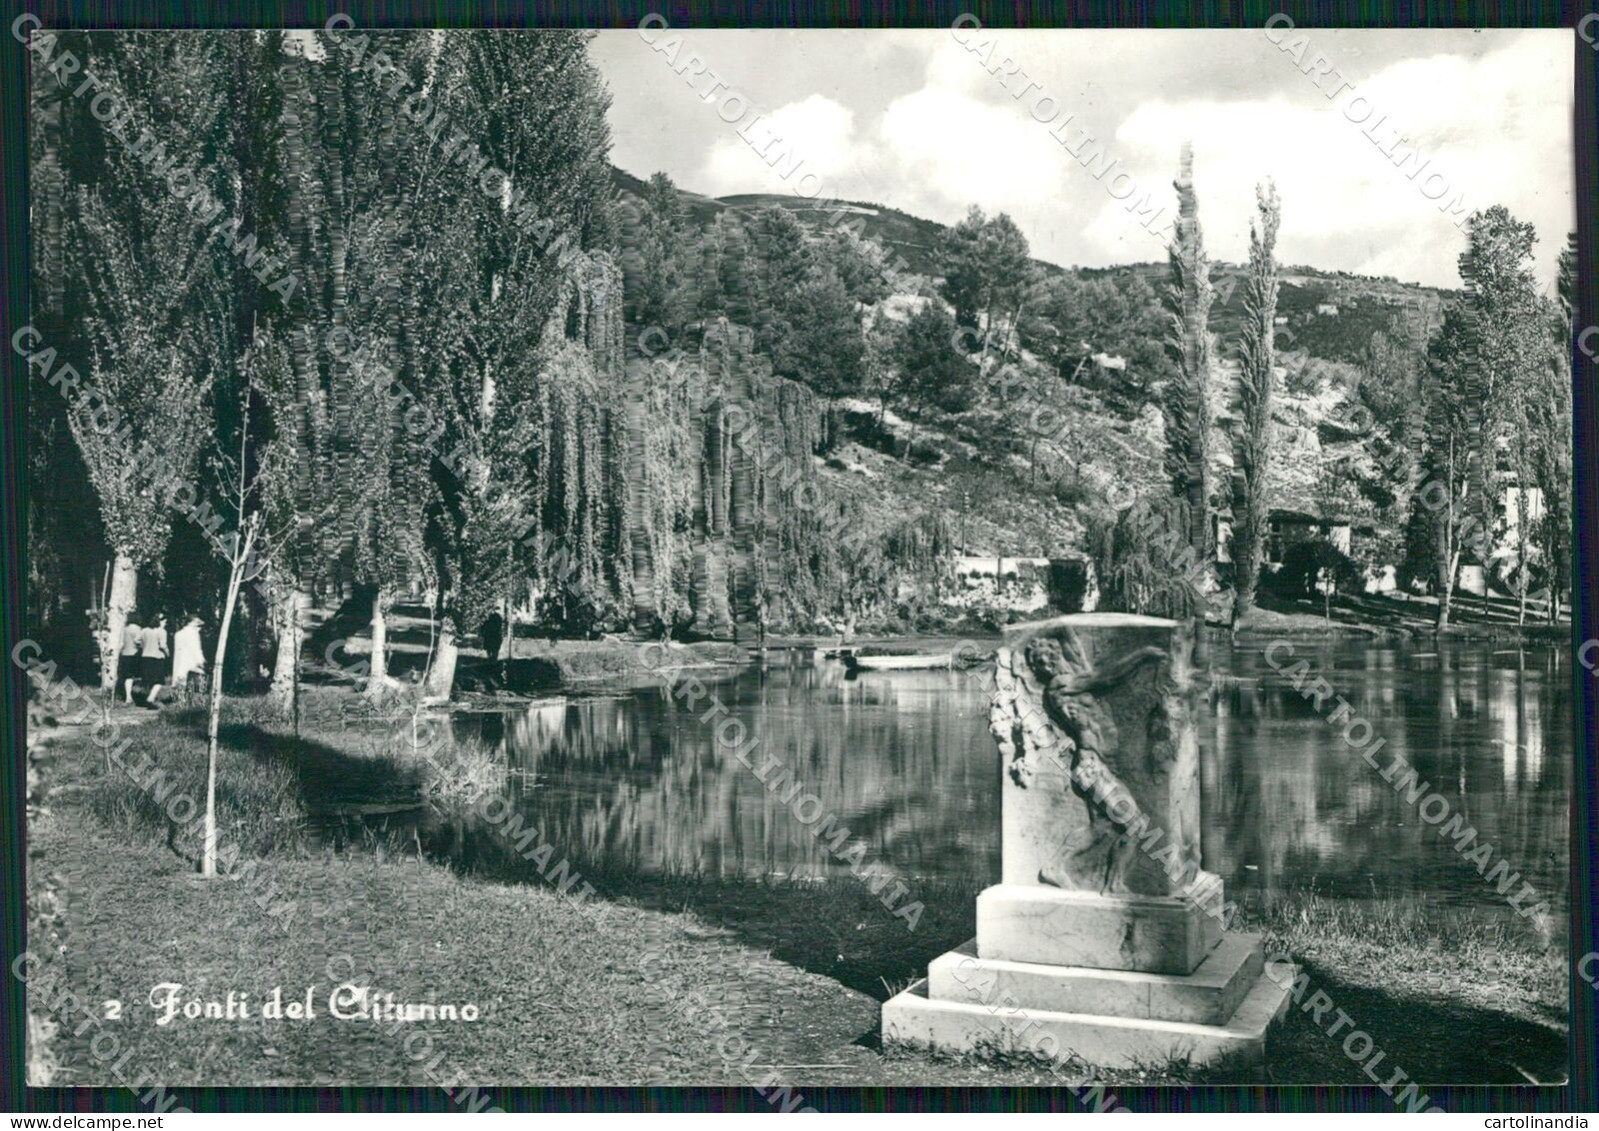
[(856, 662)]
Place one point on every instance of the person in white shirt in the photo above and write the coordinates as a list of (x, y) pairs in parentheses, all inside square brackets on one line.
[(188, 657)]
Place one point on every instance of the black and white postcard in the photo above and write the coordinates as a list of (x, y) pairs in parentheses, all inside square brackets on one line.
[(792, 560)]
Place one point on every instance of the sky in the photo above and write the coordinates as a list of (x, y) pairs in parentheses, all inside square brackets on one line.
[(915, 120)]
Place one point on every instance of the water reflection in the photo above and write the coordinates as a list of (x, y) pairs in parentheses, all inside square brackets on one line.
[(639, 782), (1289, 803)]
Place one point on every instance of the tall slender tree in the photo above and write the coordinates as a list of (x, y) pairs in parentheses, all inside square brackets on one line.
[(152, 282), (523, 329), (1508, 341), (1443, 501), (1188, 397), (1257, 360), (1549, 427)]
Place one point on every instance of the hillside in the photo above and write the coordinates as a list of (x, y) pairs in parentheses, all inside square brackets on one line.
[(910, 236), (1004, 490)]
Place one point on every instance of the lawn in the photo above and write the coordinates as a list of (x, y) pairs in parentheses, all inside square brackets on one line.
[(679, 981)]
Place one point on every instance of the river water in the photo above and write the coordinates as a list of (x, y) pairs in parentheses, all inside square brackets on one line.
[(637, 781)]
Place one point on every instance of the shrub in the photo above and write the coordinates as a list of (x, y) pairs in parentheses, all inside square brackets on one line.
[(1307, 565)]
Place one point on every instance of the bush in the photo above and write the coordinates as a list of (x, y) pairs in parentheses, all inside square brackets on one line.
[(1307, 564), (1073, 492)]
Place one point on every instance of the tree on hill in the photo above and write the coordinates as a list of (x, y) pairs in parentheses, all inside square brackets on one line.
[(861, 263), (929, 363), (1069, 317), (961, 263), (659, 262), (985, 267), (823, 346), (1006, 267)]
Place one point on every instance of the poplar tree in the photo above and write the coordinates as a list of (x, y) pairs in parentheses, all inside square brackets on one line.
[(1188, 342), (522, 318), (151, 279), (1252, 442)]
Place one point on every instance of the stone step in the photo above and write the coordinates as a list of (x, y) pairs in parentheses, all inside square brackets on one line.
[(915, 1019), (1035, 923), (1208, 996)]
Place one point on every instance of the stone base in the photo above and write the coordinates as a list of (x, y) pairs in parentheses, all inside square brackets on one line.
[(1036, 924), (1208, 996), (1105, 1018)]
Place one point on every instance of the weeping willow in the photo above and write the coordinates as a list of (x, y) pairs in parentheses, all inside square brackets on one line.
[(922, 552), (1144, 563), (791, 590), (721, 491), (575, 467), (664, 437), (726, 525)]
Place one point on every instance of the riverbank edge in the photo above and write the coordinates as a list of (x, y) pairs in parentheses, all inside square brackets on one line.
[(545, 669)]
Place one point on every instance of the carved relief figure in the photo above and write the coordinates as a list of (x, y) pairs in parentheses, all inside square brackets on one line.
[(1107, 721)]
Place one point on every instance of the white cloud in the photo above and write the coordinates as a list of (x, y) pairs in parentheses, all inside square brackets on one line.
[(1495, 130), (817, 130), (1491, 114)]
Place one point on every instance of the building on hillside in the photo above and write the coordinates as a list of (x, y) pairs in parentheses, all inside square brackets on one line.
[(1024, 585), (1286, 528), (1328, 308), (1505, 562)]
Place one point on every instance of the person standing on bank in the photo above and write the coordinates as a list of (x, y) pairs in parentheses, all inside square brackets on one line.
[(128, 657), (188, 657), (153, 660)]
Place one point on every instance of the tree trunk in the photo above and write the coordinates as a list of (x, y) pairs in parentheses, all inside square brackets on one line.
[(124, 591), (1446, 590), (208, 856), (378, 669), (506, 651), (441, 676), (1247, 580), (289, 621)]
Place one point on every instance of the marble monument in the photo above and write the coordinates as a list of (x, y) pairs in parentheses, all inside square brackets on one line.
[(1105, 938)]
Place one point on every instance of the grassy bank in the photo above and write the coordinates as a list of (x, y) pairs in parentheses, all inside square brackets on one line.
[(1450, 994), (1401, 615), (610, 991)]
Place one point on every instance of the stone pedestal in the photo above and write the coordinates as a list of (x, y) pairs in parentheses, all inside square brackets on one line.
[(1104, 941)]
